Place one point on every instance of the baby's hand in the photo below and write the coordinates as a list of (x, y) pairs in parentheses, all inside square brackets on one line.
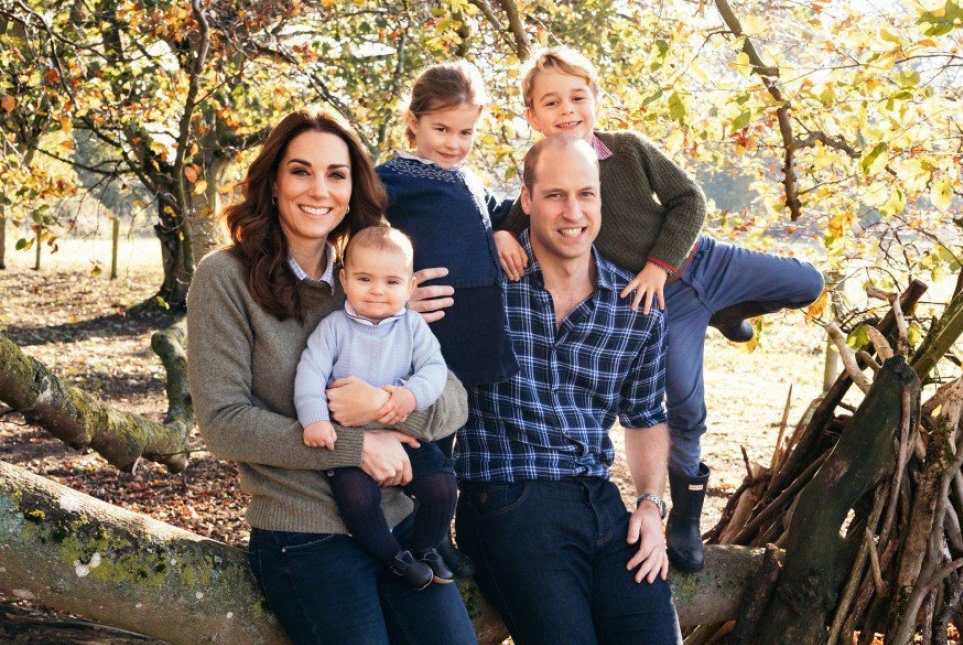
[(320, 434), (511, 255), (399, 406), (648, 283)]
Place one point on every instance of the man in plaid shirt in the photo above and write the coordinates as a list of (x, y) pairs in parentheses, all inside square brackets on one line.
[(556, 550)]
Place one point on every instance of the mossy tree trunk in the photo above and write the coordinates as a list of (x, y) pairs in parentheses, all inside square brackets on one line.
[(82, 420), (67, 550)]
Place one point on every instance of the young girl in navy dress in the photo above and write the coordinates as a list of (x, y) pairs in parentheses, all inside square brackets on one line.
[(447, 212)]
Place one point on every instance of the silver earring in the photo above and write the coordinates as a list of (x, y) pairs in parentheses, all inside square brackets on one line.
[(274, 200), (348, 211)]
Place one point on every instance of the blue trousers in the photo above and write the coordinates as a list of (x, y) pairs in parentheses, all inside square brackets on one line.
[(720, 275), (324, 588), (551, 557)]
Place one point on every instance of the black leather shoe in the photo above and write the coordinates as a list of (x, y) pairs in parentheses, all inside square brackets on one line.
[(682, 530), (459, 563), (441, 574), (731, 321), (417, 574)]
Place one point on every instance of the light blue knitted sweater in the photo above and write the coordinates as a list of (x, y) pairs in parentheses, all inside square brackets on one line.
[(400, 350)]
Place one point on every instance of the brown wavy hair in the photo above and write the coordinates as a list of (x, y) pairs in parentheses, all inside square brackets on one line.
[(254, 222), (444, 86)]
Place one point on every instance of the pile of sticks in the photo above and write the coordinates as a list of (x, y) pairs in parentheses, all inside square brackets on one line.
[(872, 543)]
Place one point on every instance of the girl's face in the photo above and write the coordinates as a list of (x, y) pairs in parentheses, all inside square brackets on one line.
[(562, 104), (445, 136), (313, 187)]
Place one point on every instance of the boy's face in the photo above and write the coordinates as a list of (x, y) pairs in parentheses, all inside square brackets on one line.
[(562, 104), (377, 282)]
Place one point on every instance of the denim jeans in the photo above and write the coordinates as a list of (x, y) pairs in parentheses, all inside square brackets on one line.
[(324, 588), (552, 555), (720, 275)]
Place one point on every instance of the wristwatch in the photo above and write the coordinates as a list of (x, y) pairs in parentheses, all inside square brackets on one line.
[(655, 499)]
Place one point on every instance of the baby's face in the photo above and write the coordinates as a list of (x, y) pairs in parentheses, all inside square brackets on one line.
[(377, 282)]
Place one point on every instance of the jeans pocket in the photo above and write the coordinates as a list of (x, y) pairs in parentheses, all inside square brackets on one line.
[(304, 543), (498, 500)]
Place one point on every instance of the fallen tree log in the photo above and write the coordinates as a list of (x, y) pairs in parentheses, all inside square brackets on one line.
[(67, 550), (82, 420)]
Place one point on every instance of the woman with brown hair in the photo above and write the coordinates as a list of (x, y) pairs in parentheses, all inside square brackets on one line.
[(251, 308)]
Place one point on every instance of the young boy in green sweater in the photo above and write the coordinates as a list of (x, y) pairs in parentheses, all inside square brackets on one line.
[(652, 216)]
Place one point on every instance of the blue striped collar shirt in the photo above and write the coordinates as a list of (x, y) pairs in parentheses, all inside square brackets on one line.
[(552, 419)]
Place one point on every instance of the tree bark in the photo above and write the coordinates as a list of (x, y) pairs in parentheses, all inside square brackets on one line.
[(3, 239), (82, 420), (863, 456), (67, 550)]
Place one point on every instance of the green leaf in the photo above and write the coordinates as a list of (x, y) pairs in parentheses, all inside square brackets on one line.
[(870, 159), (23, 244), (677, 108), (858, 337), (742, 120)]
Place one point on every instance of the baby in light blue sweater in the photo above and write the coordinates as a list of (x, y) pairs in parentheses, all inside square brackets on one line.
[(378, 340)]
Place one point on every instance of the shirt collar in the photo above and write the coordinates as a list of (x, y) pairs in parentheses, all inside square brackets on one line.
[(604, 270), (428, 162), (601, 150), (354, 315), (327, 275)]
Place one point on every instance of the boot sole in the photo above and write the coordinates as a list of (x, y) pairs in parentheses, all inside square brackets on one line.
[(442, 581)]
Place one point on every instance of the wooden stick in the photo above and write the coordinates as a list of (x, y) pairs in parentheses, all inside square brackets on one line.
[(856, 573), (866, 358), (883, 349), (900, 466), (776, 456), (848, 357), (874, 562), (780, 501)]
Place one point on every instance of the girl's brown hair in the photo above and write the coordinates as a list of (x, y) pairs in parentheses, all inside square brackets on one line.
[(254, 222), (444, 86)]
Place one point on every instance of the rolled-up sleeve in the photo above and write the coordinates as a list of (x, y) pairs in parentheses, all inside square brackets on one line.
[(643, 393)]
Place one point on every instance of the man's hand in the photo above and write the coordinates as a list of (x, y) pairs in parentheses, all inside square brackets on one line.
[(511, 255), (320, 434), (399, 406), (650, 282), (429, 301), (645, 527)]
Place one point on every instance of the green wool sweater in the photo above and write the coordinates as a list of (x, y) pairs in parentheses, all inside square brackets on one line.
[(241, 363), (651, 209)]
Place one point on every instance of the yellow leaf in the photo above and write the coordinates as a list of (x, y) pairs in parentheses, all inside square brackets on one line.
[(816, 309), (941, 192), (200, 187), (743, 66), (823, 158), (752, 25)]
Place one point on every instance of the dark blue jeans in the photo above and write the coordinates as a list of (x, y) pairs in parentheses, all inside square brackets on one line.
[(324, 588), (552, 555)]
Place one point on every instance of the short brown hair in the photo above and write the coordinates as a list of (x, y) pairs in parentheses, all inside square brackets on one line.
[(382, 238), (444, 86), (254, 223), (564, 60), (533, 154)]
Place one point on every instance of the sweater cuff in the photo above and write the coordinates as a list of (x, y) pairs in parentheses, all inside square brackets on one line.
[(422, 395), (312, 413), (347, 449), (662, 264)]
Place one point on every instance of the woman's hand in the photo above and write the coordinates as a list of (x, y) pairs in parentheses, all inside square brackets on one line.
[(384, 459), (649, 283), (511, 255), (353, 402), (429, 301)]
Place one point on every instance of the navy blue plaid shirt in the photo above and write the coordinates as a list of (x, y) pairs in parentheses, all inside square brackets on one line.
[(552, 419)]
